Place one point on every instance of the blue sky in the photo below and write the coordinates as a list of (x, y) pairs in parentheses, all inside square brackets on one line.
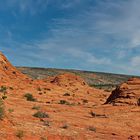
[(95, 35)]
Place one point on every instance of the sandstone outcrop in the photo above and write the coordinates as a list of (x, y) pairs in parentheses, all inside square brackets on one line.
[(126, 94)]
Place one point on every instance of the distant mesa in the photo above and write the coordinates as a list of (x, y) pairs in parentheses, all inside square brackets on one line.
[(126, 94)]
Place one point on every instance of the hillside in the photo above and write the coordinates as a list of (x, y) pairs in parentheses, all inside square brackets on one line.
[(44, 109), (107, 81), (64, 107)]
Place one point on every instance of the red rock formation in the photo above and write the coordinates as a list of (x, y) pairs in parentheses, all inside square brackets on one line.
[(9, 75), (126, 94), (7, 70), (67, 79)]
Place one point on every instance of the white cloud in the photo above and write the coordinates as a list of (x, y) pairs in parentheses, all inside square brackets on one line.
[(120, 20)]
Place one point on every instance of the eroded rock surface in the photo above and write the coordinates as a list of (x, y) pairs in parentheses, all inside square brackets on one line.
[(126, 94)]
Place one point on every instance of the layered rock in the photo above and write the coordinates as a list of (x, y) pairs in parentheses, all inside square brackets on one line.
[(66, 80), (126, 94)]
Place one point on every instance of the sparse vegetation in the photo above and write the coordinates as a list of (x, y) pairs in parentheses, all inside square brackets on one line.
[(40, 114), (4, 97), (2, 111), (93, 114), (39, 89), (10, 110), (29, 97), (64, 102), (106, 87), (91, 128), (36, 107), (3, 89), (20, 134)]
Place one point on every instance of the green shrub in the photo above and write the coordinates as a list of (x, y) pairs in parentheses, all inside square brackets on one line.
[(29, 97), (10, 110), (3, 89), (64, 102), (40, 114)]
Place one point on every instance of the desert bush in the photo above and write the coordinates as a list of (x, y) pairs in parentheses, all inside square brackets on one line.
[(29, 97), (97, 115), (40, 114), (36, 107), (3, 89), (20, 134), (10, 110), (4, 97), (39, 89), (64, 102), (91, 128)]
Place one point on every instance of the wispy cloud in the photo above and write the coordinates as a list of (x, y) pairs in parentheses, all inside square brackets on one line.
[(24, 6), (93, 35)]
